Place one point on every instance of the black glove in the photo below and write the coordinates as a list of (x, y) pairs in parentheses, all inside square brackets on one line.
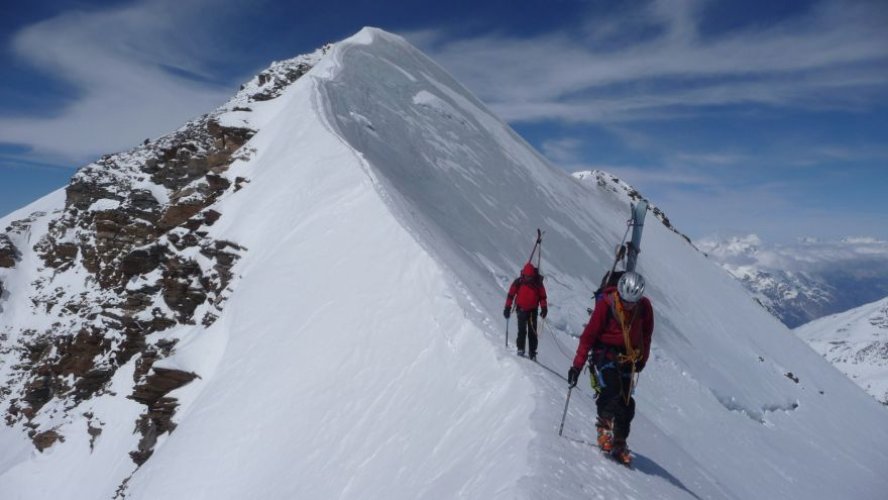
[(639, 365), (507, 312), (573, 375), (543, 312)]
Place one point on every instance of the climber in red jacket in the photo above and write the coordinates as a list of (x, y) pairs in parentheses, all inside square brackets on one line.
[(528, 293), (619, 336)]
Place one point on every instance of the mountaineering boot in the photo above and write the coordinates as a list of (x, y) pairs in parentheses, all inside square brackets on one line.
[(533, 356), (621, 452), (520, 352), (605, 435)]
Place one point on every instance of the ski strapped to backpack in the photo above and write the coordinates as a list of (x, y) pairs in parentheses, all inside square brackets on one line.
[(538, 245), (639, 210), (627, 252)]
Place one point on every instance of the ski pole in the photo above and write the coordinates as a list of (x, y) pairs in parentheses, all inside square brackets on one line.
[(563, 416), (507, 333)]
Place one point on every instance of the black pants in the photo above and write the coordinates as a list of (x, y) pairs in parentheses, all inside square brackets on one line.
[(527, 327), (615, 402)]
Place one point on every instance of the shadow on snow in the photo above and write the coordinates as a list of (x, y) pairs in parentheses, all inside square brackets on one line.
[(645, 465)]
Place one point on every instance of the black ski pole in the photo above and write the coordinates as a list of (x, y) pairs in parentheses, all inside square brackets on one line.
[(563, 416)]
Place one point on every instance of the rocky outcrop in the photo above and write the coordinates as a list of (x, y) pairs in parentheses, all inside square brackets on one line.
[(613, 184), (43, 440), (137, 250), (68, 367), (272, 82), (8, 253), (161, 408), (131, 256)]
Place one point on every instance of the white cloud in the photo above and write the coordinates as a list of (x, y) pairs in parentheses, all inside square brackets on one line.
[(833, 57), (858, 257), (140, 71)]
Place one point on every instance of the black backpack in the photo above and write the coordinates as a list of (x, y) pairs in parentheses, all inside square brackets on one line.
[(608, 280)]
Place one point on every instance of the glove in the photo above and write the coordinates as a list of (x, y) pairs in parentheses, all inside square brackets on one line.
[(543, 312), (507, 312), (572, 376), (639, 365)]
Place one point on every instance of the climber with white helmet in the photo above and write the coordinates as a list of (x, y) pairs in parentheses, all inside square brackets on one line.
[(619, 338)]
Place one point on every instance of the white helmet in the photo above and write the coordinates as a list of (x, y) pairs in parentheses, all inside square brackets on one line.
[(630, 286)]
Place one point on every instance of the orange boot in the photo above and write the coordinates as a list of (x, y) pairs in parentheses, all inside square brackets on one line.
[(621, 453), (605, 434)]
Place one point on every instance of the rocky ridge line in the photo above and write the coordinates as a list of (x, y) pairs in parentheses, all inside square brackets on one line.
[(128, 258)]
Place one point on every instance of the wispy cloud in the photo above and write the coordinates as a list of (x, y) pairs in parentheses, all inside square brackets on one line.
[(834, 56), (711, 158), (703, 191), (680, 171), (139, 71), (835, 152)]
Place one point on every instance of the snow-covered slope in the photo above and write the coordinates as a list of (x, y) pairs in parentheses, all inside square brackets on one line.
[(856, 342), (355, 350)]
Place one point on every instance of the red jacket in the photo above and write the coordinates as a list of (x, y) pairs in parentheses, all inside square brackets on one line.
[(604, 327), (529, 290)]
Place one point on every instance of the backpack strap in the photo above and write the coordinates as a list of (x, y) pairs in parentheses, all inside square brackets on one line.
[(631, 354)]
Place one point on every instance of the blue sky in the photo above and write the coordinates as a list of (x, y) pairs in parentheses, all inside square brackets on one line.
[(734, 117)]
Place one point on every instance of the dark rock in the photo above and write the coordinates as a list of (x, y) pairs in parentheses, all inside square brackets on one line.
[(208, 319), (275, 80), (159, 383), (57, 255), (158, 418), (141, 261), (133, 341), (78, 355), (143, 200), (36, 349), (82, 192), (38, 393), (92, 382), (94, 433), (211, 216), (177, 214), (179, 293), (152, 424), (44, 440), (9, 254), (217, 183)]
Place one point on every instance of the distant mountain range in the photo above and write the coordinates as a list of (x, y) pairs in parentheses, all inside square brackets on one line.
[(807, 280)]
